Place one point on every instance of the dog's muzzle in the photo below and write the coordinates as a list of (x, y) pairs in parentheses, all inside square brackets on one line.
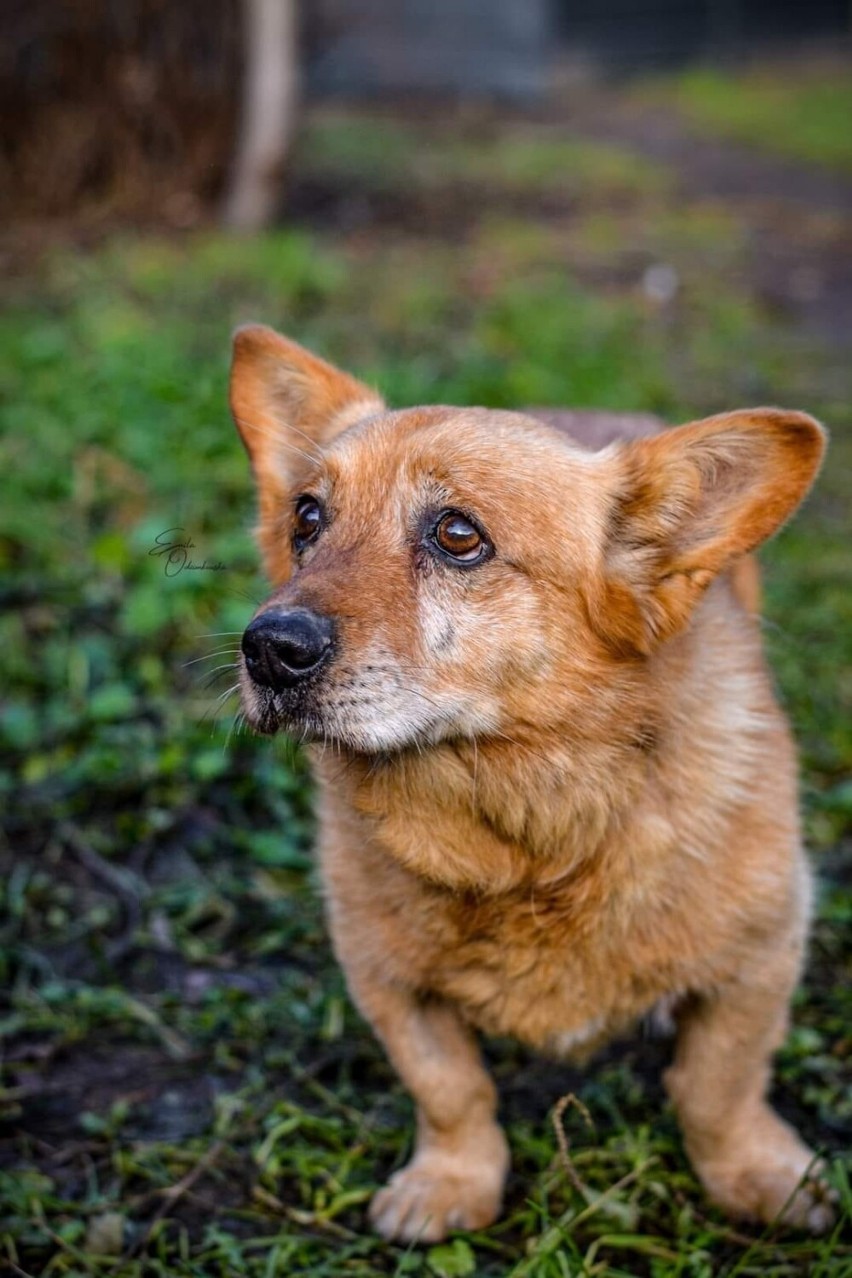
[(284, 649)]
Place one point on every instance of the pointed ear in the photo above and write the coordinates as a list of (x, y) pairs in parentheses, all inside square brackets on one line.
[(287, 404), (685, 505)]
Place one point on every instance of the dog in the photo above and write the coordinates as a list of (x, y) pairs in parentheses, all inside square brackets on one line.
[(555, 788)]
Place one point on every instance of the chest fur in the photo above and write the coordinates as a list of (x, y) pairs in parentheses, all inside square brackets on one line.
[(561, 966), (559, 941)]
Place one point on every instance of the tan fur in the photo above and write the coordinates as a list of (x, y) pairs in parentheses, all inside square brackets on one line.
[(555, 788)]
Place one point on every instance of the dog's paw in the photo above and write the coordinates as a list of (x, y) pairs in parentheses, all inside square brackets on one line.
[(435, 1194), (784, 1184)]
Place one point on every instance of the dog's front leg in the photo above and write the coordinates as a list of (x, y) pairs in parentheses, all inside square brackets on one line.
[(456, 1175), (750, 1161)]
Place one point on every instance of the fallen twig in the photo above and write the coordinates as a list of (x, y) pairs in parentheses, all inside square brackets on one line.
[(562, 1140), (173, 1194)]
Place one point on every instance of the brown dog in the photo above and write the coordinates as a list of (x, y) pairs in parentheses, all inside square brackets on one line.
[(559, 789)]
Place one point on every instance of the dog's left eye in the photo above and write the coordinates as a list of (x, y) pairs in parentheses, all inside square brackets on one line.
[(457, 537)]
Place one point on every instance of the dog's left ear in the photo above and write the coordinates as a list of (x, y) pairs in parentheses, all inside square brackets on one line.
[(688, 502)]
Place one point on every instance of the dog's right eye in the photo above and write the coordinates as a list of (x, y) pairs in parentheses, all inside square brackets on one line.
[(308, 521)]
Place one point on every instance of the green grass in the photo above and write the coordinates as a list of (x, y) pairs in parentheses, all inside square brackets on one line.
[(380, 154), (185, 1088), (807, 119)]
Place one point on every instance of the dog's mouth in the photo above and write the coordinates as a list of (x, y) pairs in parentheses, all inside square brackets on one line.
[(268, 711), (360, 713)]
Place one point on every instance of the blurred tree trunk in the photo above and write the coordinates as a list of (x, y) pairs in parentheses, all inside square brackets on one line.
[(268, 110)]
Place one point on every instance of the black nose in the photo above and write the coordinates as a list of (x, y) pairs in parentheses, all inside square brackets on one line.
[(282, 648)]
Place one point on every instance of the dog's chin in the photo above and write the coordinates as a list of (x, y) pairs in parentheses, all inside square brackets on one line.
[(265, 714), (260, 711)]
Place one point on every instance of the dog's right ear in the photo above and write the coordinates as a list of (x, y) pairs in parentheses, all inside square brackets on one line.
[(287, 404)]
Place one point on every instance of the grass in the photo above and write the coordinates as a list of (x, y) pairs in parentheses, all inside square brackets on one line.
[(185, 1089), (385, 155), (808, 120)]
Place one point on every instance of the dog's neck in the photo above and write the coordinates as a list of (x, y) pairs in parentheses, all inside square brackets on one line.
[(537, 805)]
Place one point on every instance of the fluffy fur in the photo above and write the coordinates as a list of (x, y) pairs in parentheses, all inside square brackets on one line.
[(555, 787)]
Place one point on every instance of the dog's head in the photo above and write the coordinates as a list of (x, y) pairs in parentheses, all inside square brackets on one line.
[(447, 572)]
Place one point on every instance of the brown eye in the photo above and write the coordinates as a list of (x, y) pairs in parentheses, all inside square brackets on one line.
[(459, 538), (308, 521)]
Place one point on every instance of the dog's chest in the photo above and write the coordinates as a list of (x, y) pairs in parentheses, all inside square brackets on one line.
[(548, 978), (559, 965)]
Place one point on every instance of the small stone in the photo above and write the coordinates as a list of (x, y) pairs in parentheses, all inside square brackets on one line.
[(105, 1234), (660, 283)]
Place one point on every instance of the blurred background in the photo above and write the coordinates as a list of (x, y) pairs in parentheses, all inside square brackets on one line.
[(639, 204)]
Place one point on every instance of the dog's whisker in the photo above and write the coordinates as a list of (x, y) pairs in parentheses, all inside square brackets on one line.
[(520, 745), (256, 429), (473, 779), (218, 704), (235, 687), (211, 675), (221, 652), (266, 433), (313, 443), (213, 721), (243, 594), (235, 722)]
